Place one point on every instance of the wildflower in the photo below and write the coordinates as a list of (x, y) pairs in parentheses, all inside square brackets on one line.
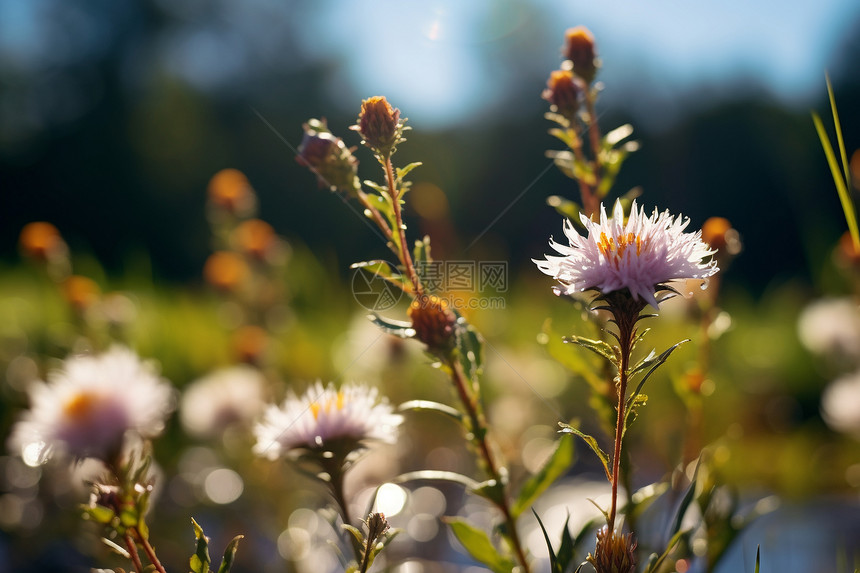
[(840, 404), (432, 321), (249, 343), (640, 255), (831, 326), (89, 405), (230, 190), (579, 50), (564, 91), (81, 292), (379, 125), (329, 158), (256, 238), (325, 418), (718, 233), (42, 241), (615, 552), (225, 270), (220, 399)]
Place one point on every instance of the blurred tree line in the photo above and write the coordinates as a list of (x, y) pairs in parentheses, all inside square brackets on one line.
[(101, 136)]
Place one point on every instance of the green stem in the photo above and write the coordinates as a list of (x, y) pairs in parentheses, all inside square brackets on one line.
[(149, 550), (132, 552), (405, 257), (478, 426)]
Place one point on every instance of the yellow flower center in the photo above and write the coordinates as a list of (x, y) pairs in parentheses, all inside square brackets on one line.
[(337, 402), (613, 248), (81, 406)]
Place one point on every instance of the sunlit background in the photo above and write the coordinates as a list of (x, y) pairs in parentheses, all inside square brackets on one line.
[(114, 116)]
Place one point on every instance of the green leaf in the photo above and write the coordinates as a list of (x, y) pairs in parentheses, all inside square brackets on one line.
[(558, 563), (655, 561), (99, 513), (617, 135), (394, 327), (355, 532), (479, 545), (553, 561), (557, 464), (492, 490), (470, 349), (404, 171), (653, 363), (199, 562), (427, 405), (230, 554), (841, 184), (592, 443), (838, 127), (565, 207), (379, 268), (599, 347), (757, 558)]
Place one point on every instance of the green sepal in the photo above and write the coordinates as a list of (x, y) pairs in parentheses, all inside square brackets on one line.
[(396, 328), (199, 562), (427, 405), (479, 545), (230, 554), (599, 347), (592, 443), (557, 464)]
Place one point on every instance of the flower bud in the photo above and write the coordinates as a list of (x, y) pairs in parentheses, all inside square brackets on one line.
[(377, 526), (250, 343), (614, 553), (328, 157), (81, 292), (230, 190), (433, 322), (42, 241), (579, 50), (846, 253), (564, 91), (718, 233), (379, 125), (255, 238), (225, 270)]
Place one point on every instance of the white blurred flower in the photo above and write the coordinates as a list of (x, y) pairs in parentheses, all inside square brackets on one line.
[(638, 255), (233, 395), (88, 406), (831, 326), (324, 416), (840, 404)]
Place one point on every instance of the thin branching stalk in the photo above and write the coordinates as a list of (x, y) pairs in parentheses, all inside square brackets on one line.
[(132, 552), (589, 200), (336, 482), (594, 137), (478, 426), (405, 257), (149, 550)]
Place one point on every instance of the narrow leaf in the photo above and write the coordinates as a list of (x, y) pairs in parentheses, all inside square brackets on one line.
[(838, 127), (592, 443), (200, 561), (599, 347), (553, 561), (394, 327), (230, 554), (654, 364), (757, 558), (557, 464), (841, 184), (427, 405), (479, 545)]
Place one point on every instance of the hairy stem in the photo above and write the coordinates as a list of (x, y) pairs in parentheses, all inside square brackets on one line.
[(594, 136), (405, 257), (589, 200), (132, 552), (149, 550), (478, 426)]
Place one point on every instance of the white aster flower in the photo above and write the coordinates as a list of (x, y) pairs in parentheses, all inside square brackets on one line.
[(639, 255), (224, 397), (88, 406), (831, 326), (324, 416), (840, 404)]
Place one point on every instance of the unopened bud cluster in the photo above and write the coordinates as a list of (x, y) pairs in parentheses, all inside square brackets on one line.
[(579, 50), (614, 553), (433, 322), (329, 158), (564, 91), (379, 125)]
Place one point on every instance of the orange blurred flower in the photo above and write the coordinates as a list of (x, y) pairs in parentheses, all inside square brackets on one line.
[(249, 343), (42, 241), (580, 51), (230, 190), (81, 292), (225, 270), (255, 237)]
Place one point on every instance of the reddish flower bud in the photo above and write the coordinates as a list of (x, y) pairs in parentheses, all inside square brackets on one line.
[(719, 234), (379, 125), (614, 553), (81, 292), (433, 322), (255, 237), (230, 190), (580, 51), (250, 343), (328, 157), (42, 241), (564, 91), (225, 270)]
